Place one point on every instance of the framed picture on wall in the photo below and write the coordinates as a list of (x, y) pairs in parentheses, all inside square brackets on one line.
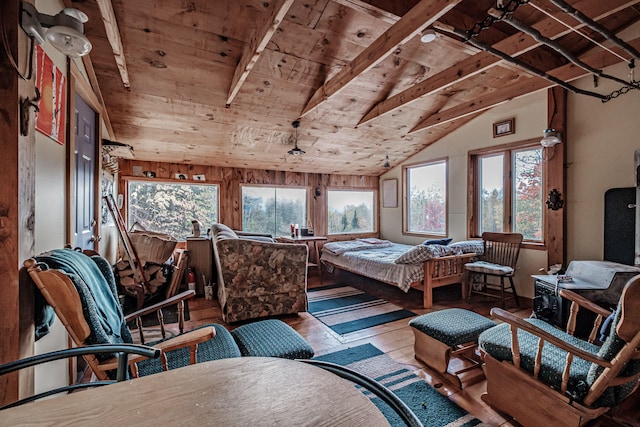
[(505, 127), (390, 193), (52, 85)]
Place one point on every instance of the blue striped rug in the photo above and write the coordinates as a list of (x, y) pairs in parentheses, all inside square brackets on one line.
[(346, 309), (432, 408)]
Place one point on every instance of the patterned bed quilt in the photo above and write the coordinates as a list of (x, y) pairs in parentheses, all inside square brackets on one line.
[(379, 261), (338, 248)]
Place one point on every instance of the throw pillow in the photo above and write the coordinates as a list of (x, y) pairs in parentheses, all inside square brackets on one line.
[(443, 242), (469, 246), (422, 253), (221, 231)]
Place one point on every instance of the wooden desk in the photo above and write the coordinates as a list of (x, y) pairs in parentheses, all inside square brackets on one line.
[(241, 391), (311, 242)]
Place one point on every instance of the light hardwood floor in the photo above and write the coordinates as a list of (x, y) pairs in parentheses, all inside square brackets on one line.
[(396, 338)]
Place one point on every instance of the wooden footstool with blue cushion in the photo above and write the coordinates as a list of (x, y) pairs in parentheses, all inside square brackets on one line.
[(452, 332), (271, 338)]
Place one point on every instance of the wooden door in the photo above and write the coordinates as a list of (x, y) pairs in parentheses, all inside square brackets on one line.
[(85, 148)]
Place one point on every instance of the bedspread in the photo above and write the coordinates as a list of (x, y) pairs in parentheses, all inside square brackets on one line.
[(341, 247), (377, 261), (378, 264)]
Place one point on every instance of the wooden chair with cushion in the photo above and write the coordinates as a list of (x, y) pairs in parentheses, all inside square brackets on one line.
[(541, 375), (499, 260), (81, 289)]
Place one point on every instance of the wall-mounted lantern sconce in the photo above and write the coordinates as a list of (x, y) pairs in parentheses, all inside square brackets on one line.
[(554, 200), (550, 138), (65, 31)]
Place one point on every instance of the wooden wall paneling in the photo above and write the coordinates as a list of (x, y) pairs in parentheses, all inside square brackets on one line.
[(556, 176), (472, 204), (321, 206), (17, 208), (226, 193), (231, 179)]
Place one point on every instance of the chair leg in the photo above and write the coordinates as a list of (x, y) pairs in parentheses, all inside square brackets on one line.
[(502, 292)]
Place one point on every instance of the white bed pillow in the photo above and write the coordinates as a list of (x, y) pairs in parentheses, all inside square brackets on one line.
[(421, 253)]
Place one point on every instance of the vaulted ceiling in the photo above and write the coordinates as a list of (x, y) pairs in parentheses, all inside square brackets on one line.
[(219, 82)]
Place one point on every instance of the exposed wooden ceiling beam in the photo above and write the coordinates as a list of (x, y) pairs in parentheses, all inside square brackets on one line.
[(419, 17), (514, 45), (567, 72), (391, 18), (113, 35), (266, 28), (374, 11)]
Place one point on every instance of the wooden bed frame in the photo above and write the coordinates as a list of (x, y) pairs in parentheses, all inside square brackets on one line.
[(442, 271)]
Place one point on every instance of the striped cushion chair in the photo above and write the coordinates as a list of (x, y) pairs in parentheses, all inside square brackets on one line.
[(566, 380)]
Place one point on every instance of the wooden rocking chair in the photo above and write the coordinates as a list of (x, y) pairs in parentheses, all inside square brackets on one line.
[(541, 375), (76, 285)]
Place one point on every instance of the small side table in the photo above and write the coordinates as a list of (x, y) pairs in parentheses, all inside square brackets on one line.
[(311, 242)]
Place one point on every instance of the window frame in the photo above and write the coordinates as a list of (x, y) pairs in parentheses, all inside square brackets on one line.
[(405, 197), (276, 186), (127, 197), (473, 184), (375, 207)]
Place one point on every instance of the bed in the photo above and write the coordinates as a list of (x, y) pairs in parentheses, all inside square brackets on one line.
[(421, 266)]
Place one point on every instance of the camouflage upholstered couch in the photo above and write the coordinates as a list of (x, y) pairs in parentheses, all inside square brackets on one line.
[(258, 278)]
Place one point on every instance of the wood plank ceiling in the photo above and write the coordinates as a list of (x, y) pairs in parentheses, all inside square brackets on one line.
[(220, 82)]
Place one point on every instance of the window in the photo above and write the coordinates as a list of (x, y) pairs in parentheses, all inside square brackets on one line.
[(426, 206), (508, 191), (169, 208), (350, 211), (273, 209)]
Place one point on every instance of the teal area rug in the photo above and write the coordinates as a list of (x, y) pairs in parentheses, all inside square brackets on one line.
[(432, 408), (346, 309)]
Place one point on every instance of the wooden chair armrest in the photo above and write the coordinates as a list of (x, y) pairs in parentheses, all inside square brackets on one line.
[(519, 323), (585, 303), (183, 296), (112, 364), (186, 340), (181, 341)]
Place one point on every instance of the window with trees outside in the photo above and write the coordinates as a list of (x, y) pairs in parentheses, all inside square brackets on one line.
[(167, 207), (426, 208), (273, 209), (350, 211), (508, 191)]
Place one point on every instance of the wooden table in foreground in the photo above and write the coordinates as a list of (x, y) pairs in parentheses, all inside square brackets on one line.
[(246, 391), (312, 243)]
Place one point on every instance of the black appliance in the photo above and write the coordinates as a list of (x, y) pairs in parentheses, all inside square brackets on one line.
[(599, 281)]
